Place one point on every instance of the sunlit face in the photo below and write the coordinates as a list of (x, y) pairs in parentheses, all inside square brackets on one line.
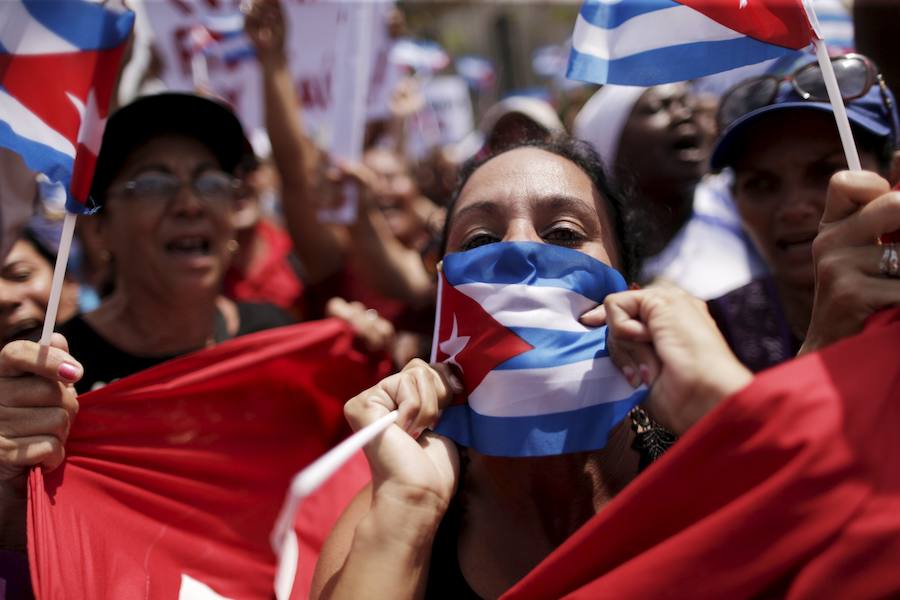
[(25, 281), (176, 246), (532, 195), (781, 181), (662, 138), (394, 189)]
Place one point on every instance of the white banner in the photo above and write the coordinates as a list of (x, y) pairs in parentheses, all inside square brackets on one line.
[(312, 48)]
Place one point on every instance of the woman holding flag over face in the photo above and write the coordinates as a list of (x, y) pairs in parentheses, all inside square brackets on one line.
[(537, 449)]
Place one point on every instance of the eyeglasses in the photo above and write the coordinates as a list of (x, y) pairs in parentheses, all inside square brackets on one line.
[(211, 187), (855, 76)]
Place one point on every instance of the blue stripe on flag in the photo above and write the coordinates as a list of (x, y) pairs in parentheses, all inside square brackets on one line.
[(610, 16), (672, 63), (533, 263), (38, 157), (541, 435), (82, 23), (553, 348)]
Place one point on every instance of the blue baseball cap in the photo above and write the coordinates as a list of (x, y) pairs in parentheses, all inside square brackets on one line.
[(874, 113)]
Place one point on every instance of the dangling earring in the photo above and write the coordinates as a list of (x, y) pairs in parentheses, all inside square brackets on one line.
[(232, 246), (651, 440)]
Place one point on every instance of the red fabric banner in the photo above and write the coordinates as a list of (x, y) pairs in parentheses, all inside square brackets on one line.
[(175, 475), (790, 488)]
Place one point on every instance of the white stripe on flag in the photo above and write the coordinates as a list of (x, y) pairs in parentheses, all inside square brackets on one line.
[(28, 125), (519, 305), (649, 31), (531, 392), (20, 33)]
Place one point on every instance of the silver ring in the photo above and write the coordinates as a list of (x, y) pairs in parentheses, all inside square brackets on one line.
[(889, 265)]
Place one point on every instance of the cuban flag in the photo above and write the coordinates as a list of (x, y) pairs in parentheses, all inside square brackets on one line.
[(59, 60), (537, 381), (222, 36), (649, 42)]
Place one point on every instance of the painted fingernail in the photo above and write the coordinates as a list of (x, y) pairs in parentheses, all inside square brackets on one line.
[(645, 374), (68, 371)]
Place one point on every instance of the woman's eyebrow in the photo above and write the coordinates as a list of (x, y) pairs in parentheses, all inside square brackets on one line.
[(203, 167), (481, 206), (151, 167), (563, 203)]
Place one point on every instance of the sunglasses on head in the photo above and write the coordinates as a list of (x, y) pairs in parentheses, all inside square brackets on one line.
[(855, 75)]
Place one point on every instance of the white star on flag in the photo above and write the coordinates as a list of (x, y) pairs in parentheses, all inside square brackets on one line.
[(454, 344), (90, 133)]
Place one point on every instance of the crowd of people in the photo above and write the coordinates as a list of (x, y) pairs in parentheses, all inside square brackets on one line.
[(747, 242)]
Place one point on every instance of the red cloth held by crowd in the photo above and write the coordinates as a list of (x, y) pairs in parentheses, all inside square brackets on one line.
[(790, 488), (175, 475)]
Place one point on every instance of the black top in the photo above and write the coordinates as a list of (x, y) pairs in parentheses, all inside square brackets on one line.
[(104, 363), (445, 576), (754, 325)]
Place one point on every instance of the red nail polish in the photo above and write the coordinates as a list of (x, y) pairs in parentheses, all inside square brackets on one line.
[(645, 374), (68, 371)]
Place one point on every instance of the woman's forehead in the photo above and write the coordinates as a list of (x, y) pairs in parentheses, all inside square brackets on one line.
[(170, 148), (524, 175)]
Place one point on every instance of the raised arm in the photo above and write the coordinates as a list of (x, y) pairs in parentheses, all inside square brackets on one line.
[(321, 247)]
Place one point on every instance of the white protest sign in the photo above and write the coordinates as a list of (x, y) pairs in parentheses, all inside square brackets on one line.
[(448, 97), (312, 46)]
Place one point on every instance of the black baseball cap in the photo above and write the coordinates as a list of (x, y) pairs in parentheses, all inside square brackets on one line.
[(208, 120)]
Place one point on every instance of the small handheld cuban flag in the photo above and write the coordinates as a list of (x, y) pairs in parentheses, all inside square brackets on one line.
[(537, 381), (650, 42), (59, 60), (222, 36)]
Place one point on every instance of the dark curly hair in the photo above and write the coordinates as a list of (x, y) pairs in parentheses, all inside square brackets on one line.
[(585, 158)]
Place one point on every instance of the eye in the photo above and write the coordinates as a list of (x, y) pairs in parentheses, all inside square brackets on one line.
[(479, 239), (153, 184), (18, 274), (215, 184), (757, 186), (564, 236), (820, 173)]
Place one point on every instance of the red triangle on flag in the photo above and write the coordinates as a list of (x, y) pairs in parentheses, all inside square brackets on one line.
[(780, 22), (469, 337)]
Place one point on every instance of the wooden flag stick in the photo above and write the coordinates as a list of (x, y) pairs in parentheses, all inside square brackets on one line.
[(59, 275), (837, 104)]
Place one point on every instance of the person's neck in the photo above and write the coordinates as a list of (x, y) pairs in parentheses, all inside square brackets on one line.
[(669, 208), (797, 302), (148, 325), (518, 510), (251, 246)]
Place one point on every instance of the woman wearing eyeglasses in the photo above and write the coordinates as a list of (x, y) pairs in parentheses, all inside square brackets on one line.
[(165, 179), (780, 139)]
